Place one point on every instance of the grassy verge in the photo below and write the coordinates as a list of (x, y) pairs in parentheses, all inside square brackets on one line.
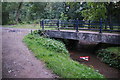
[(29, 26), (56, 57), (111, 56)]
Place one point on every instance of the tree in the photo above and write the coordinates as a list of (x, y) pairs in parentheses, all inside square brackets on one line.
[(9, 12), (53, 10), (37, 10), (72, 10), (18, 12), (113, 13), (94, 11), (107, 11)]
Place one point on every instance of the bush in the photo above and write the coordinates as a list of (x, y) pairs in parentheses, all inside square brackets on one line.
[(50, 44), (110, 56)]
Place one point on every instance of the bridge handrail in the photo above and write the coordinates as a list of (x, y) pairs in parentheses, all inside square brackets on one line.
[(80, 25)]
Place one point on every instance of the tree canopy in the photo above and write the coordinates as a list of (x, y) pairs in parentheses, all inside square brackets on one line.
[(29, 12)]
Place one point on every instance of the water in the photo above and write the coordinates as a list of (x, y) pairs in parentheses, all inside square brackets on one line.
[(81, 48), (95, 63)]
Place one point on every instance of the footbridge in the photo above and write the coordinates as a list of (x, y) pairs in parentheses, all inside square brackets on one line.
[(81, 30)]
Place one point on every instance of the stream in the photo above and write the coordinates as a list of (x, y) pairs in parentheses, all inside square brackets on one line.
[(77, 49), (95, 63)]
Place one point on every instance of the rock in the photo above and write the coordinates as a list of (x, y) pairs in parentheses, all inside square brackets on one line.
[(15, 75), (9, 71), (14, 62), (46, 73)]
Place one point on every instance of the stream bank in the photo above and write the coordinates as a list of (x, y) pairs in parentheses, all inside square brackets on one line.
[(81, 48)]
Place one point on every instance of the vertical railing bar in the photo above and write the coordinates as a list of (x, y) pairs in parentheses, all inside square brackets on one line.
[(42, 25), (77, 24), (58, 25), (100, 31)]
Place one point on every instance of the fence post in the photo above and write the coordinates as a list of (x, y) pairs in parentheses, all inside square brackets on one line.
[(58, 25), (31, 32), (100, 31), (89, 25), (77, 24), (42, 25)]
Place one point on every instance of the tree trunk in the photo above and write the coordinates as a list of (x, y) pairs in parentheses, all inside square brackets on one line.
[(110, 24), (110, 8), (18, 12)]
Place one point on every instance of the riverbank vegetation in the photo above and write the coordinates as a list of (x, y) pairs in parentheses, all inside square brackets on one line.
[(57, 58), (111, 56)]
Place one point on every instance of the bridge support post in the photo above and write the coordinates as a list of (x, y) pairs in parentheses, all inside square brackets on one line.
[(77, 25), (100, 31), (42, 24), (58, 25)]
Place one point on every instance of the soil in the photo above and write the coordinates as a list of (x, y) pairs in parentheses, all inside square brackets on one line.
[(17, 60)]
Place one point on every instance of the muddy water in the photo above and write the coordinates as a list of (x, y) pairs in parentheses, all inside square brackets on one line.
[(82, 48), (94, 62)]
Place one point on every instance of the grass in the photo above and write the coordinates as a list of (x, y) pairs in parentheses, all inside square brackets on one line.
[(57, 58), (114, 50), (29, 26)]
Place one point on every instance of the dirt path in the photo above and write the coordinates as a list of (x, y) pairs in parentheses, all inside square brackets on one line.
[(18, 61)]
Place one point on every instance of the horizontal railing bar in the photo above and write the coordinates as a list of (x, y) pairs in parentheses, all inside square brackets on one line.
[(50, 27), (100, 25), (66, 27)]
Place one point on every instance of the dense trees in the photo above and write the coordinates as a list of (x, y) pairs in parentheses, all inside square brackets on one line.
[(94, 11), (18, 12), (28, 12), (0, 13), (107, 11)]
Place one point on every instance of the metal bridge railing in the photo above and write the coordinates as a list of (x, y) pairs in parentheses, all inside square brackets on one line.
[(77, 25)]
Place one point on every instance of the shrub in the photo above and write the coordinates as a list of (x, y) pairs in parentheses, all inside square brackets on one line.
[(110, 56)]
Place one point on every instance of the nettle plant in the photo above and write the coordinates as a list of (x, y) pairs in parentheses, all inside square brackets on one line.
[(48, 43)]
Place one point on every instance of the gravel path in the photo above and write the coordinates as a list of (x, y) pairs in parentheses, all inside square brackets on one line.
[(18, 61)]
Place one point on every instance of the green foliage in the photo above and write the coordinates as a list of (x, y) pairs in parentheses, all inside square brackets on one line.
[(53, 10), (72, 10), (110, 56), (48, 43), (32, 11), (114, 50), (94, 11), (7, 10), (63, 16), (56, 57)]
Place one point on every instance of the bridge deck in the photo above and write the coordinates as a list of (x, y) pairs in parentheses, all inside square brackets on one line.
[(112, 38), (93, 32)]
